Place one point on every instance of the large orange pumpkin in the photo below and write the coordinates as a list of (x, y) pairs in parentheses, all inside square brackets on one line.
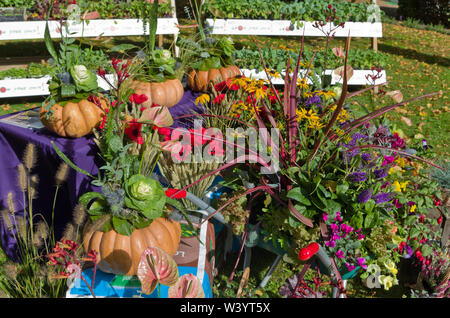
[(120, 254), (74, 119), (200, 81), (167, 93)]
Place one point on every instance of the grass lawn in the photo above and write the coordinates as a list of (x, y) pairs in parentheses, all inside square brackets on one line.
[(418, 63)]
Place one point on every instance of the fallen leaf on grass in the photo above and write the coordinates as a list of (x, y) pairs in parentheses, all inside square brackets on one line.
[(406, 120)]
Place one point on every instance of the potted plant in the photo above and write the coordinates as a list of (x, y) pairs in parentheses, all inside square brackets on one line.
[(69, 111), (208, 60), (155, 74), (130, 212)]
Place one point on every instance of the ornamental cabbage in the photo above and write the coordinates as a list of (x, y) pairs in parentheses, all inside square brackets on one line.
[(84, 79), (145, 195)]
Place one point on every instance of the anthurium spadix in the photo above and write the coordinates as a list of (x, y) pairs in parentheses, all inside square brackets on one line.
[(156, 266), (188, 286), (158, 115)]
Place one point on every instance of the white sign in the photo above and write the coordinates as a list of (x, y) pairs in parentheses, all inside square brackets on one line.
[(22, 87), (360, 77), (109, 27), (286, 28)]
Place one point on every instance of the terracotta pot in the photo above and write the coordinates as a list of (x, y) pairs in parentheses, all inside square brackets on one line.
[(120, 254)]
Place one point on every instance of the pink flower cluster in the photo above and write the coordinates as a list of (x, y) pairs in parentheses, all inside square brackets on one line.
[(342, 231)]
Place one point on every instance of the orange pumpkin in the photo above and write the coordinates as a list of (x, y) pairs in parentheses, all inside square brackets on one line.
[(200, 81), (120, 254), (167, 93), (74, 119)]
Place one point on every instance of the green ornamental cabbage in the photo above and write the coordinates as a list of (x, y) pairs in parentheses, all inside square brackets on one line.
[(84, 79), (146, 195)]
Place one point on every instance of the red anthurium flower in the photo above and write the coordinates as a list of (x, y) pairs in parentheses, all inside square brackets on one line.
[(138, 99), (133, 131)]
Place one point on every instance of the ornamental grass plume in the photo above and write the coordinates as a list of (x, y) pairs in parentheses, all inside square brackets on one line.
[(22, 177), (30, 156), (61, 174)]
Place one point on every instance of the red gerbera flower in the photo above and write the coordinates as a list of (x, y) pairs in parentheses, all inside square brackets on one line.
[(133, 131), (219, 98), (138, 99)]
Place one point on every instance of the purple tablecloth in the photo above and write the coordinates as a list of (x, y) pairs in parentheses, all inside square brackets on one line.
[(82, 151)]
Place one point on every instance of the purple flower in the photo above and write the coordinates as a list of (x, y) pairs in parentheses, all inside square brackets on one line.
[(330, 243), (381, 173), (350, 267), (324, 216), (364, 196), (411, 203), (397, 203), (388, 160), (425, 144), (340, 254), (313, 100), (361, 262), (383, 197), (358, 176), (338, 217), (409, 251), (366, 157)]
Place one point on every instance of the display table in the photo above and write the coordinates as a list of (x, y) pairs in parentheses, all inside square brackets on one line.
[(14, 137)]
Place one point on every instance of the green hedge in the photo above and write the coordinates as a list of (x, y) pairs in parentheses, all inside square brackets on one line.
[(427, 11)]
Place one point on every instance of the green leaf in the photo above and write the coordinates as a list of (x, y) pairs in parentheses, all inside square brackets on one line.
[(67, 90), (86, 198), (369, 205), (122, 226), (115, 143), (370, 220), (297, 195), (122, 47), (70, 163), (426, 250), (341, 188), (49, 43)]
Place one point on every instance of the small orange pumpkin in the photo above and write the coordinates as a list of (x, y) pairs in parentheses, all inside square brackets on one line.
[(74, 119), (200, 81), (120, 254), (167, 93)]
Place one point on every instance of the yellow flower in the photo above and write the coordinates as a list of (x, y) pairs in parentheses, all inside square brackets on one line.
[(401, 162), (395, 169), (240, 81), (315, 124), (399, 187), (327, 94), (273, 73), (257, 88), (387, 281), (304, 114), (202, 99), (390, 265), (301, 82), (413, 208)]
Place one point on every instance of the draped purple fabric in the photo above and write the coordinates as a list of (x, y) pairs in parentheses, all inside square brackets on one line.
[(82, 151)]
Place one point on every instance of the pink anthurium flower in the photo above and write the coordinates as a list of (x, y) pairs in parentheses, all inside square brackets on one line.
[(188, 286), (156, 266), (159, 116)]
